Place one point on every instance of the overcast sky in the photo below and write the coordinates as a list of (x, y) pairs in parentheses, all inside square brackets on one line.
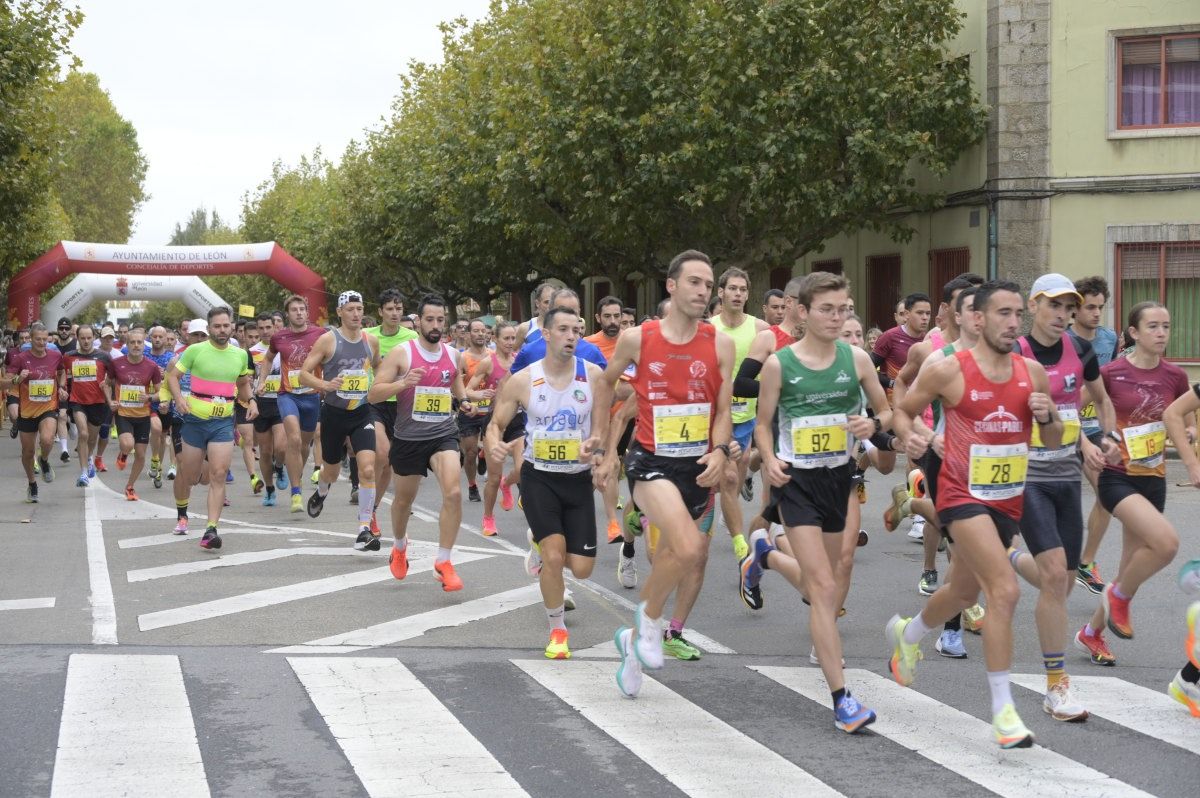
[(218, 90)]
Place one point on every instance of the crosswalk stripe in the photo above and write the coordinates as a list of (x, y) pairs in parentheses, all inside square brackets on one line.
[(400, 740), (696, 751), (126, 729), (28, 604), (1149, 712), (953, 739), (236, 559)]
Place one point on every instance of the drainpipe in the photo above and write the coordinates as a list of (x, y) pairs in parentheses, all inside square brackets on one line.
[(993, 267)]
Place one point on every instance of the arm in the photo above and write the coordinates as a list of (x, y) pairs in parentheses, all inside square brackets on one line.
[(860, 426), (387, 380), (1175, 418), (602, 400), (774, 470), (457, 390), (503, 410), (930, 386), (912, 367), (722, 426), (1043, 406)]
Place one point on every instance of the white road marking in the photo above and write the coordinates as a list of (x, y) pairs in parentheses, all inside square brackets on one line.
[(955, 740), (27, 604), (168, 537), (696, 751), (241, 558), (104, 609), (390, 632), (400, 740), (1149, 712), (126, 729)]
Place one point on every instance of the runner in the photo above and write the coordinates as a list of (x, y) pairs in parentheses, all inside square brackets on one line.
[(1134, 490), (891, 350), (160, 352), (608, 323), (817, 385), (558, 394), (488, 377), (35, 373), (133, 380), (347, 359), (425, 436), (245, 438), (219, 373), (774, 308), (683, 381), (85, 373), (268, 424), (991, 397), (530, 330), (299, 405), (389, 333), (1185, 687), (470, 427)]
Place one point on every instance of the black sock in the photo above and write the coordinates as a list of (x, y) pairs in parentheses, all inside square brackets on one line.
[(1191, 673), (838, 695), (627, 549), (181, 509), (954, 624)]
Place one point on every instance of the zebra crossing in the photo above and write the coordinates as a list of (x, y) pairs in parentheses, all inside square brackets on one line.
[(440, 723)]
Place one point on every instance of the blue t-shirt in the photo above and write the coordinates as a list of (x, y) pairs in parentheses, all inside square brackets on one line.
[(1104, 344), (535, 350)]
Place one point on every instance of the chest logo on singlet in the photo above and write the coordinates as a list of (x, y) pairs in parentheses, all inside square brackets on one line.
[(842, 376), (999, 420), (698, 370), (1069, 383)]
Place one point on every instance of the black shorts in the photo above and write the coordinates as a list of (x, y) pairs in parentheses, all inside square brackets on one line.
[(472, 426), (13, 399), (644, 466), (338, 426), (97, 414), (139, 428), (32, 424), (385, 414), (177, 435), (816, 497), (931, 467), (1006, 527), (516, 428), (560, 504), (1113, 487), (239, 414), (411, 458), (1052, 518), (626, 437), (268, 415), (167, 421)]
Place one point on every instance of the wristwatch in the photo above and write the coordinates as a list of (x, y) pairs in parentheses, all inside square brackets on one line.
[(723, 447)]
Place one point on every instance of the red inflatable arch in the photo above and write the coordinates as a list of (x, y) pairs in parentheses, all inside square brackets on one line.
[(71, 257)]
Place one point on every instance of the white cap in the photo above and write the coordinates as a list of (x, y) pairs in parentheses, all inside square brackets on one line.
[(1054, 285), (197, 326)]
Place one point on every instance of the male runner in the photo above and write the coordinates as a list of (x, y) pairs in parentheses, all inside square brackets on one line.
[(219, 373), (133, 380), (65, 340), (424, 377), (347, 358), (85, 374), (530, 330), (534, 348), (268, 424), (389, 333), (991, 398), (36, 373), (299, 405), (683, 383), (161, 353), (608, 328), (891, 350), (245, 438), (558, 394), (628, 318), (773, 307), (481, 390), (471, 426)]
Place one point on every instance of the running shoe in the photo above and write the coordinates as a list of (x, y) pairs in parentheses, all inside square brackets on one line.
[(354, 494), (928, 583), (83, 481), (256, 484), (366, 541), (679, 648), (12, 433), (157, 479), (647, 642), (281, 480), (1008, 729), (130, 494), (228, 476), (316, 476), (47, 471), (899, 509), (747, 489), (1193, 635), (740, 547), (633, 522), (226, 502), (444, 572), (37, 466), (568, 600), (905, 656), (211, 540), (629, 672), (316, 503), (112, 432), (506, 497), (297, 503), (1116, 613), (102, 468), (916, 483), (614, 532), (374, 526), (916, 532), (533, 557), (269, 499), (1088, 576), (950, 644), (750, 569), (398, 562), (181, 527), (1185, 693), (850, 716), (1189, 577), (155, 466), (481, 468), (489, 526), (65, 457), (473, 493), (972, 619), (1095, 647), (557, 648), (627, 572), (122, 460), (92, 471), (171, 473), (1059, 704), (31, 493), (863, 538)]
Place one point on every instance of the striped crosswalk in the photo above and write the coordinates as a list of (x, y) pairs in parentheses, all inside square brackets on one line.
[(144, 724)]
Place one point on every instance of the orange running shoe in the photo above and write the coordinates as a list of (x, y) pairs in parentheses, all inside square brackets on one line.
[(444, 573), (399, 562), (506, 497), (130, 494), (374, 526), (558, 648), (489, 526), (614, 531), (100, 466), (1116, 610), (1095, 647), (122, 459)]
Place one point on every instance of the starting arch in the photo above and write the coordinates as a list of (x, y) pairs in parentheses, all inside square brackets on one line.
[(136, 272)]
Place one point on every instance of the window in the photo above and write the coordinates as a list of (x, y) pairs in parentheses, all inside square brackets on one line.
[(1168, 273), (883, 290), (779, 277), (1158, 81), (832, 265), (944, 266)]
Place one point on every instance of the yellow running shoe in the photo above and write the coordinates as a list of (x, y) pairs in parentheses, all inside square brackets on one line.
[(740, 547), (1185, 693), (1009, 731), (972, 619), (297, 503), (557, 647), (905, 656)]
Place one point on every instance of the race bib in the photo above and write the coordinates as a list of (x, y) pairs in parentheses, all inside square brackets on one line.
[(1070, 437), (270, 386), (556, 451), (820, 441), (739, 406), (294, 385), (83, 371), (1145, 444), (1089, 418), (681, 430), (430, 404), (216, 407), (41, 390), (998, 472), (132, 396), (355, 383)]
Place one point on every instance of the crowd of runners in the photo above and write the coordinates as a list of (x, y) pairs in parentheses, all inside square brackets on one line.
[(995, 431)]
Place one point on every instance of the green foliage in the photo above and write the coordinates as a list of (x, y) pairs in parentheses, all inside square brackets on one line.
[(169, 312)]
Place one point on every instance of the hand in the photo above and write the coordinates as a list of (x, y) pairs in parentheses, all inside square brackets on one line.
[(714, 464), (466, 407), (183, 406), (735, 450), (585, 448), (1093, 457), (861, 427), (24, 375), (775, 471), (939, 446), (412, 378), (1040, 404), (497, 452), (62, 394), (1191, 435), (113, 404), (252, 410), (332, 386), (486, 393), (603, 472), (1112, 452), (916, 446)]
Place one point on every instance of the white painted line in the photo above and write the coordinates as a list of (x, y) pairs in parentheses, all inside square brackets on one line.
[(280, 595), (605, 650), (27, 604), (104, 609), (234, 560), (955, 740), (1149, 712), (400, 740), (696, 751), (168, 537), (126, 729), (390, 632)]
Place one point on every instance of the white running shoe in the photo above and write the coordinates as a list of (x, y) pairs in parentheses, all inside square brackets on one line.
[(533, 557), (627, 572), (917, 532), (1059, 704), (647, 641), (629, 672)]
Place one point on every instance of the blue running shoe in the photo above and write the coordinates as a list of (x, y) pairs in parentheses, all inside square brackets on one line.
[(228, 477), (91, 470), (751, 570), (269, 500), (950, 644), (281, 480), (850, 716), (82, 482), (629, 672)]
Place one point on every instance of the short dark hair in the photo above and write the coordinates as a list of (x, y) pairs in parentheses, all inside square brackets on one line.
[(676, 264), (555, 310), (730, 273), (972, 278), (1093, 285), (774, 293), (983, 294), (629, 312), (293, 299), (265, 316), (961, 299), (607, 301), (429, 299), (213, 312), (391, 295), (278, 314), (957, 284), (915, 297)]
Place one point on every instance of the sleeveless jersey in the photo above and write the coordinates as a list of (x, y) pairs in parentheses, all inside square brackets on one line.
[(558, 421), (987, 440), (937, 415), (389, 342), (782, 337), (742, 408), (351, 360), (1066, 383), (677, 387), (424, 412), (811, 420), (272, 383), (936, 341), (494, 372)]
